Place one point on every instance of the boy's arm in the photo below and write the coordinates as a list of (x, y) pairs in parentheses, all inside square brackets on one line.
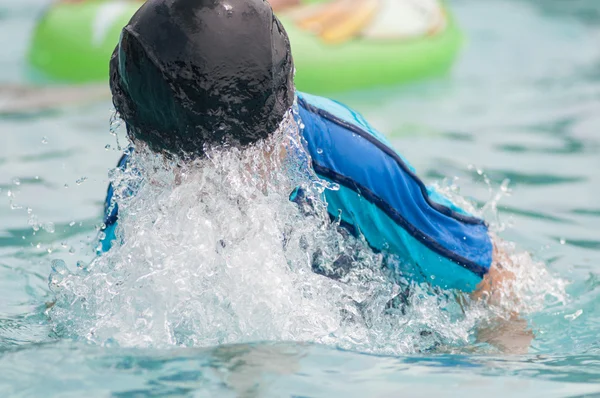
[(381, 196), (495, 282), (509, 332)]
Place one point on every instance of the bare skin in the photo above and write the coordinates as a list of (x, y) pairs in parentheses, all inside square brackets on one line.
[(510, 334), (494, 281)]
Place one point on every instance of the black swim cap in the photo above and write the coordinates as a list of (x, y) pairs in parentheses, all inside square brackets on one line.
[(190, 73)]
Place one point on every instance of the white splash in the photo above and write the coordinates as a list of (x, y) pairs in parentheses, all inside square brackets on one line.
[(214, 252)]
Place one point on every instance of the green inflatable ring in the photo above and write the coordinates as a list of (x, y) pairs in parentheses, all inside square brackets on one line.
[(363, 63), (73, 43)]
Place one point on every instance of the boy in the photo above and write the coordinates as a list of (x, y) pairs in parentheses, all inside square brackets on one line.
[(191, 74)]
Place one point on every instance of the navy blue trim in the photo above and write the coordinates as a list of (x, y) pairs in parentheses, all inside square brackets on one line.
[(430, 243), (390, 152)]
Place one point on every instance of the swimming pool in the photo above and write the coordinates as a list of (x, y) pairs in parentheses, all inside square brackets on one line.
[(522, 105)]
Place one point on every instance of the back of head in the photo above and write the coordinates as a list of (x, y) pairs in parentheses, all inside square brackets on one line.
[(188, 74)]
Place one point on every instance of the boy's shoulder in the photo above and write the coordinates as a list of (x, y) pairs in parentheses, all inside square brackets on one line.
[(337, 113), (314, 110)]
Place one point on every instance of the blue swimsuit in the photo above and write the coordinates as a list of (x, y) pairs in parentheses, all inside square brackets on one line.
[(381, 197)]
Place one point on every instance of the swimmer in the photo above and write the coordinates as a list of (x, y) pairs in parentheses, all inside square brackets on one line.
[(228, 63)]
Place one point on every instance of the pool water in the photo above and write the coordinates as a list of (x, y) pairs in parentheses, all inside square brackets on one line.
[(520, 108)]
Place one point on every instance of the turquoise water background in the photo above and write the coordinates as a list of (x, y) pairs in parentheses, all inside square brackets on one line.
[(523, 104)]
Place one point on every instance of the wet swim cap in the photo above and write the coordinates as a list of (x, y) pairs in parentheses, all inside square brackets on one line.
[(190, 73)]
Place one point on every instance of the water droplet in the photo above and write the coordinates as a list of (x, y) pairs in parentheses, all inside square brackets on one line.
[(59, 267), (58, 273), (44, 140), (115, 123), (573, 316), (562, 241), (71, 223), (9, 193), (16, 181), (319, 151), (81, 180), (72, 250), (432, 277), (66, 185), (64, 244), (49, 227), (107, 147)]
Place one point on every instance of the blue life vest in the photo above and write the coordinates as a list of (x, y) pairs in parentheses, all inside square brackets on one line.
[(381, 197)]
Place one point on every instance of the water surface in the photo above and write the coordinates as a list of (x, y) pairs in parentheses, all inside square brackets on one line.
[(521, 105)]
